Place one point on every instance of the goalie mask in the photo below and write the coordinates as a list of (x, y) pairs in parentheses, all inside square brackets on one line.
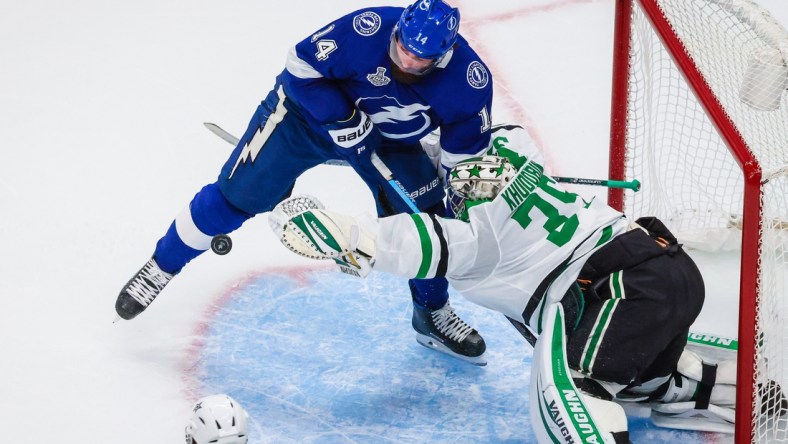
[(218, 419), (477, 180)]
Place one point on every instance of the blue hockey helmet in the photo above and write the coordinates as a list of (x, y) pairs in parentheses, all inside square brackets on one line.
[(428, 28)]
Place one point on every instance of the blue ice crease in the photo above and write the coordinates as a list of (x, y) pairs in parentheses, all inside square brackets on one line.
[(333, 359)]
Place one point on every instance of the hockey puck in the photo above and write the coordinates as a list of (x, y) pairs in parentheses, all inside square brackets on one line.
[(221, 244)]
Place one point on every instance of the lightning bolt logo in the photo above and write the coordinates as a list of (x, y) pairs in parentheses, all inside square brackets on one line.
[(367, 23), (253, 146), (397, 114)]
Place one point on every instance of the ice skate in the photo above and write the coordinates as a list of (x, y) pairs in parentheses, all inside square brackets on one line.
[(442, 330), (141, 290)]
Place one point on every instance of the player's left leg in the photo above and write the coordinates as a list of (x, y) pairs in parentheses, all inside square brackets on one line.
[(259, 172), (436, 324)]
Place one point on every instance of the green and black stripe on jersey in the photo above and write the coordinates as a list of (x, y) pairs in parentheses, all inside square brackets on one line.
[(434, 249)]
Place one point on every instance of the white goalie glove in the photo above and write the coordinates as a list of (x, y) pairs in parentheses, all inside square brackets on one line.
[(306, 228)]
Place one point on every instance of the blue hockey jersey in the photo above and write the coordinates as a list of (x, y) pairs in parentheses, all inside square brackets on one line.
[(346, 65)]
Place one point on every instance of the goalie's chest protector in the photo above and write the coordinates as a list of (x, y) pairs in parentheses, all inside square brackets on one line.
[(532, 240)]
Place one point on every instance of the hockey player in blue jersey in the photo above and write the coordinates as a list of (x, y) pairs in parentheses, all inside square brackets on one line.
[(374, 81)]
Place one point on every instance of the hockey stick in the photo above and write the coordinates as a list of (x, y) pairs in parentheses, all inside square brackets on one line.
[(219, 131), (382, 169), (626, 184), (395, 184)]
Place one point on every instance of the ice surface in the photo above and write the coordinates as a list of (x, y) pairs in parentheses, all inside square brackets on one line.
[(101, 111), (320, 357)]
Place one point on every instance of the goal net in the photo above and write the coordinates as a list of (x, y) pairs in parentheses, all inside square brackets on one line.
[(700, 117)]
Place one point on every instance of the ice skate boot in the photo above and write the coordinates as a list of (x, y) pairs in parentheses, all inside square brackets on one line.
[(442, 330), (141, 290)]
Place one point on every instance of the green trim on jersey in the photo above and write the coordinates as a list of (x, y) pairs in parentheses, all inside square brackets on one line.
[(426, 246), (607, 234)]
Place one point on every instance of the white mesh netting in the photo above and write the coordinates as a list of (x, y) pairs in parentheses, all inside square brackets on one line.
[(690, 178)]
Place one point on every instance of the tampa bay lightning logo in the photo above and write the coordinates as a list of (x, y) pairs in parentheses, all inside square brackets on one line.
[(366, 23), (395, 120), (477, 75)]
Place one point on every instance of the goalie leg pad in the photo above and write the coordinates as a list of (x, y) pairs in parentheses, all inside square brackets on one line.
[(699, 396), (559, 411), (684, 416)]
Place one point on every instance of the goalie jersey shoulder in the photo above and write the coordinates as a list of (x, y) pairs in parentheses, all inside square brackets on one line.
[(515, 144)]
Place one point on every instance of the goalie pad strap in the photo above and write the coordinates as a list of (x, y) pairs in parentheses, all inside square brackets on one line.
[(708, 379), (593, 388), (621, 437), (523, 330)]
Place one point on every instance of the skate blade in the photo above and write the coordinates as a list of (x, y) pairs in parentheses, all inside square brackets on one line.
[(433, 344)]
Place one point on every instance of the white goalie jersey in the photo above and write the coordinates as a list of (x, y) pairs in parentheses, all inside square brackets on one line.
[(523, 249)]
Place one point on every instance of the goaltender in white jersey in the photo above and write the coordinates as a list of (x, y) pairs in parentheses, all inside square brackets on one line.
[(527, 245), (606, 302)]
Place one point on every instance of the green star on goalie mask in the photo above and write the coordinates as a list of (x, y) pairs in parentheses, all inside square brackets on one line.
[(477, 180)]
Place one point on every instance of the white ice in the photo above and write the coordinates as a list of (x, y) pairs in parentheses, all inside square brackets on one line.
[(101, 111)]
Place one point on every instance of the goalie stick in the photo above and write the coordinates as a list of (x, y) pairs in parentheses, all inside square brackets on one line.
[(633, 185), (624, 184)]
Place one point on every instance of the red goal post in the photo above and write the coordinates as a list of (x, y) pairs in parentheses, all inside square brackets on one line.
[(701, 84)]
